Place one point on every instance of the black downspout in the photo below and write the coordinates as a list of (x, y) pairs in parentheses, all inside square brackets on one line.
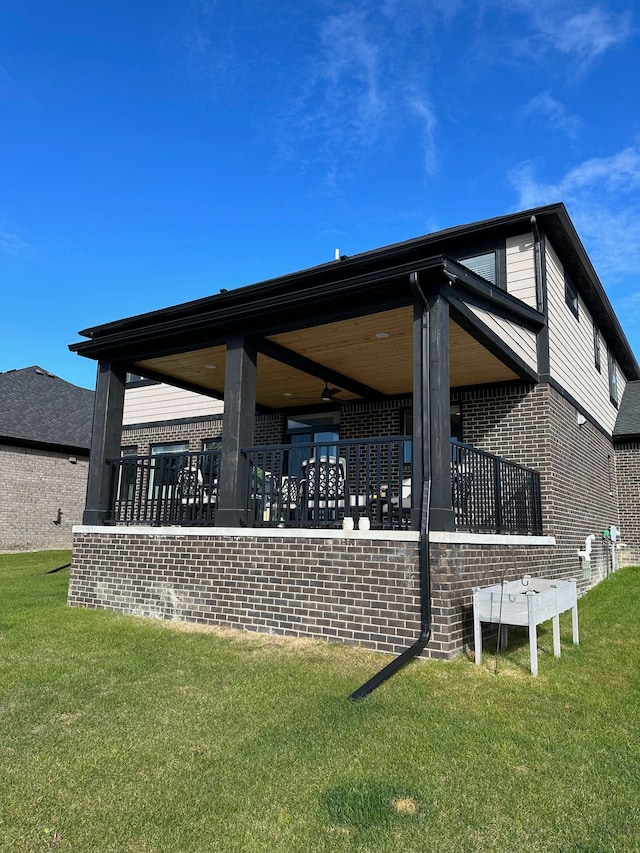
[(425, 503)]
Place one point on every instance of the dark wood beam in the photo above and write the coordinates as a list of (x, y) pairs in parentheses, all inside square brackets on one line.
[(314, 368)]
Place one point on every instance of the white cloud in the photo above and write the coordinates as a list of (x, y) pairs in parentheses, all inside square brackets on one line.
[(602, 199), (203, 42), (581, 33), (545, 109), (589, 34), (11, 244), (425, 114), (348, 76), (357, 94)]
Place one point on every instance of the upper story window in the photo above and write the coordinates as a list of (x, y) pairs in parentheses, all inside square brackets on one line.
[(613, 378), (596, 347), (484, 265), (571, 295)]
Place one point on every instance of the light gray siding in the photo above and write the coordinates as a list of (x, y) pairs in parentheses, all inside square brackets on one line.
[(571, 355), (521, 275), (151, 403), (521, 341)]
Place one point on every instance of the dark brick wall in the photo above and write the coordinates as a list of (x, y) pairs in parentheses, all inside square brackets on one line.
[(627, 456), (353, 591), (537, 427), (358, 591), (357, 420), (367, 420), (582, 495), (457, 569)]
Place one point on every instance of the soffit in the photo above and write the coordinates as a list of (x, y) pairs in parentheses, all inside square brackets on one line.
[(351, 347)]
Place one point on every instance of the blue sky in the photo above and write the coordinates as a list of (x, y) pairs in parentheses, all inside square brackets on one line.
[(155, 152)]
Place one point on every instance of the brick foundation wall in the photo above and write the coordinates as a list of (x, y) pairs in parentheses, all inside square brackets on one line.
[(35, 484), (358, 591), (627, 457), (347, 590)]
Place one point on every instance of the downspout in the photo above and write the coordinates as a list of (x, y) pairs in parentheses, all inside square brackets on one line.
[(425, 503)]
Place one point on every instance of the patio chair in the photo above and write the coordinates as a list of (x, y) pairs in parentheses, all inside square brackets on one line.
[(194, 500), (323, 488), (287, 498)]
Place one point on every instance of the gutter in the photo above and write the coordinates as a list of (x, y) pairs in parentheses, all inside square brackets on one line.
[(425, 504)]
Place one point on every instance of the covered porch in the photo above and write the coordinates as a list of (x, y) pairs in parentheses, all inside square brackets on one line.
[(328, 339)]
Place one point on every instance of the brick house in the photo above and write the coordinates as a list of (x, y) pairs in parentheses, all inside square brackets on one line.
[(398, 426), (45, 433)]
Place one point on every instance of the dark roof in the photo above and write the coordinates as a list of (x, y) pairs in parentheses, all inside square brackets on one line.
[(244, 304), (628, 422), (38, 408)]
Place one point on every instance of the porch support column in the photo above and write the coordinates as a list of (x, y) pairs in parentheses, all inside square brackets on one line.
[(237, 431), (442, 516), (432, 422), (106, 438)]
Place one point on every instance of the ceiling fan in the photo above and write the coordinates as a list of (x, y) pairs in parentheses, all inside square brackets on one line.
[(329, 394)]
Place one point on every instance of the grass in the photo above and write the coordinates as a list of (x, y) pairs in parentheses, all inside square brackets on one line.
[(120, 734)]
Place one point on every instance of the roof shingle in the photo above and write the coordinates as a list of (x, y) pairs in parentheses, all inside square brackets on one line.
[(628, 421), (37, 407)]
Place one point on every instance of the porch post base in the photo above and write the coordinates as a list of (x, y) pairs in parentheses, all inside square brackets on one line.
[(94, 517), (441, 518), (230, 518)]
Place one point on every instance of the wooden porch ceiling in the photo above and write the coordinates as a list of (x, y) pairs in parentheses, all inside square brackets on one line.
[(375, 350)]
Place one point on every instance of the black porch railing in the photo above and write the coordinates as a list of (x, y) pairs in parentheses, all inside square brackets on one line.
[(320, 484), (168, 488), (491, 494), (368, 482)]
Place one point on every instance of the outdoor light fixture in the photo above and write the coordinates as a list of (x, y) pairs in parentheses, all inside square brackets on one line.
[(328, 394)]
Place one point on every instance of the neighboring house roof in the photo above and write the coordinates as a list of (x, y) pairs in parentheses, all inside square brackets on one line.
[(40, 409), (628, 421)]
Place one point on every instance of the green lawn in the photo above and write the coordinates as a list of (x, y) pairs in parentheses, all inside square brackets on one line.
[(120, 734)]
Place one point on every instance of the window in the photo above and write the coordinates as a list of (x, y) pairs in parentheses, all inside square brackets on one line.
[(613, 378), (307, 429), (162, 474), (170, 447), (127, 480), (484, 265), (571, 295), (135, 379), (456, 421), (210, 464), (596, 347)]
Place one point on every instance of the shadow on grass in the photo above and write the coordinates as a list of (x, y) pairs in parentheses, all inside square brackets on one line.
[(371, 804)]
